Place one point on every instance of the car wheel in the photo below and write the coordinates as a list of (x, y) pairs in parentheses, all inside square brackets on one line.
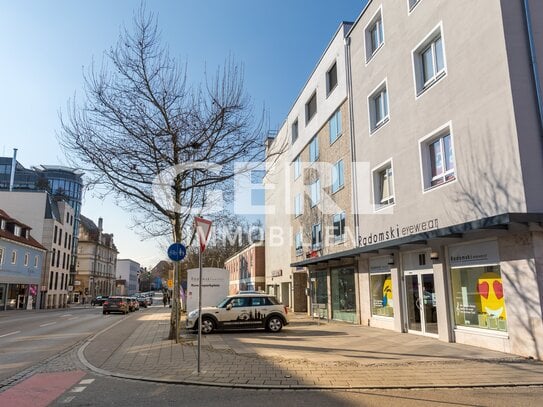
[(208, 325), (274, 324)]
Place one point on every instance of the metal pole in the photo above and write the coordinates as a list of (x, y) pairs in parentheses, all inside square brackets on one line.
[(176, 299), (199, 307)]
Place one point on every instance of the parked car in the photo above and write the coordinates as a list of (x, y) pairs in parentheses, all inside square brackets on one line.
[(242, 311), (115, 304), (131, 303), (142, 301), (99, 300), (136, 303)]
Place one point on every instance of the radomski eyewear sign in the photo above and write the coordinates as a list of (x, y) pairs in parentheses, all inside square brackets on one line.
[(474, 254)]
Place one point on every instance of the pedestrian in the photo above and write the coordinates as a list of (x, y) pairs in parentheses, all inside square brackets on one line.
[(165, 300)]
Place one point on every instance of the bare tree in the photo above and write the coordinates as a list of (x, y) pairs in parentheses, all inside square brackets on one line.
[(139, 117)]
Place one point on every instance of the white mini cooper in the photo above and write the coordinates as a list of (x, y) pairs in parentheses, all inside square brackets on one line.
[(242, 311)]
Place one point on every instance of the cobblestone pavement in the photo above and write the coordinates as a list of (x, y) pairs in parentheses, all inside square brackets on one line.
[(138, 349)]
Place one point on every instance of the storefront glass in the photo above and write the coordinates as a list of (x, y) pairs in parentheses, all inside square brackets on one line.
[(382, 303), (479, 300), (343, 294), (319, 293)]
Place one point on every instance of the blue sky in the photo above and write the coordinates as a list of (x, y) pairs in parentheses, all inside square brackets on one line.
[(46, 45)]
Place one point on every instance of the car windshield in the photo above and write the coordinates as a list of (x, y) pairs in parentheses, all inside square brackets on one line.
[(222, 304)]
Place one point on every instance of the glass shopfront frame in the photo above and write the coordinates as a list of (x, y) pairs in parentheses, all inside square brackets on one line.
[(382, 303), (343, 292), (478, 296), (319, 293)]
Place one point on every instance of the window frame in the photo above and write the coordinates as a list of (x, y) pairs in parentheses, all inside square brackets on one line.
[(425, 158), (2, 252), (294, 131), (314, 149), (374, 124), (330, 88), (297, 163), (14, 257), (340, 176), (376, 20), (429, 41), (315, 188), (339, 238), (308, 115), (411, 4), (316, 244), (338, 128), (377, 190), (298, 205), (298, 249)]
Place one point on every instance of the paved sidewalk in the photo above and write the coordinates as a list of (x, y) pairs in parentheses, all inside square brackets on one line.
[(303, 355)]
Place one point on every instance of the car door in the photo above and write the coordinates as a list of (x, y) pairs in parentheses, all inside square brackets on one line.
[(237, 313), (261, 308)]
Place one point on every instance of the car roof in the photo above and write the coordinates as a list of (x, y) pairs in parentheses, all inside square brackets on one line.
[(251, 294)]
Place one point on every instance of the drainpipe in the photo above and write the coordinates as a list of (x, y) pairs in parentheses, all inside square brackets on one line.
[(354, 189), (13, 167), (533, 58)]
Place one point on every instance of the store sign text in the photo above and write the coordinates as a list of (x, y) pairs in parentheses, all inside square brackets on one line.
[(395, 232)]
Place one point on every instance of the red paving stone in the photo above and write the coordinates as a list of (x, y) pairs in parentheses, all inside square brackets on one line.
[(40, 390)]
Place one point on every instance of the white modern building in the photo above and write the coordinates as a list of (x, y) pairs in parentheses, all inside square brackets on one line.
[(127, 276)]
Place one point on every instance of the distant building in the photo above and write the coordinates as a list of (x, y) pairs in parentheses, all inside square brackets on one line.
[(96, 263), (247, 269), (51, 220), (21, 264), (61, 182), (127, 277)]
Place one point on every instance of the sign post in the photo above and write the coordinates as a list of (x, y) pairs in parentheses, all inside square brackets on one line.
[(176, 253), (203, 228)]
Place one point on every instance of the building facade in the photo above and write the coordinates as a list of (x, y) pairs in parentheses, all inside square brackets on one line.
[(96, 262), (21, 265), (449, 157), (308, 167), (128, 272), (51, 220), (247, 269)]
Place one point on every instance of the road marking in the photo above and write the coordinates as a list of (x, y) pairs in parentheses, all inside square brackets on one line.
[(78, 389), (49, 323), (68, 399), (86, 381), (69, 319), (11, 333), (66, 315)]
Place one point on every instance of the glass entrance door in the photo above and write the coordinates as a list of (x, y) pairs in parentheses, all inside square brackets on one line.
[(421, 302)]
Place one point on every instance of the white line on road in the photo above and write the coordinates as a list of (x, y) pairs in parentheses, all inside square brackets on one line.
[(72, 318), (11, 333), (66, 315), (86, 381), (68, 399), (49, 323), (78, 389)]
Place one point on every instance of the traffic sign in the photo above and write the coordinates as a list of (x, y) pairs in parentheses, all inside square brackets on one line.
[(203, 228), (177, 252), (170, 283)]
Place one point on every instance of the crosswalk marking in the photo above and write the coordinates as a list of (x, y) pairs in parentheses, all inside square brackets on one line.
[(78, 389), (49, 323), (86, 381)]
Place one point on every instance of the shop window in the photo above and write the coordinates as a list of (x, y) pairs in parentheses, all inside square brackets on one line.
[(479, 299), (319, 293), (382, 303), (343, 294)]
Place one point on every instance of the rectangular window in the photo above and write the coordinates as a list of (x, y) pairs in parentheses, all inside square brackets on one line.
[(294, 131), (334, 124), (298, 243), (374, 35), (55, 234), (26, 258), (311, 108), (429, 61), (337, 176), (60, 237), (339, 227), (36, 261), (315, 189), (56, 280), (412, 4), (13, 257), (437, 154), (383, 186), (53, 258), (331, 79), (297, 167), (378, 107), (1, 256), (297, 205), (478, 297), (65, 240), (314, 149), (316, 237), (381, 295)]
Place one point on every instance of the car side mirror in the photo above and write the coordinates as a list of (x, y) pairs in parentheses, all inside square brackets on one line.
[(229, 307)]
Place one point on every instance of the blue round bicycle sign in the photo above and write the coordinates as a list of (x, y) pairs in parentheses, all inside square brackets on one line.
[(177, 251)]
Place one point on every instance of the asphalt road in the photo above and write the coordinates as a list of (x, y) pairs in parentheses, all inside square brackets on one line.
[(29, 337)]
